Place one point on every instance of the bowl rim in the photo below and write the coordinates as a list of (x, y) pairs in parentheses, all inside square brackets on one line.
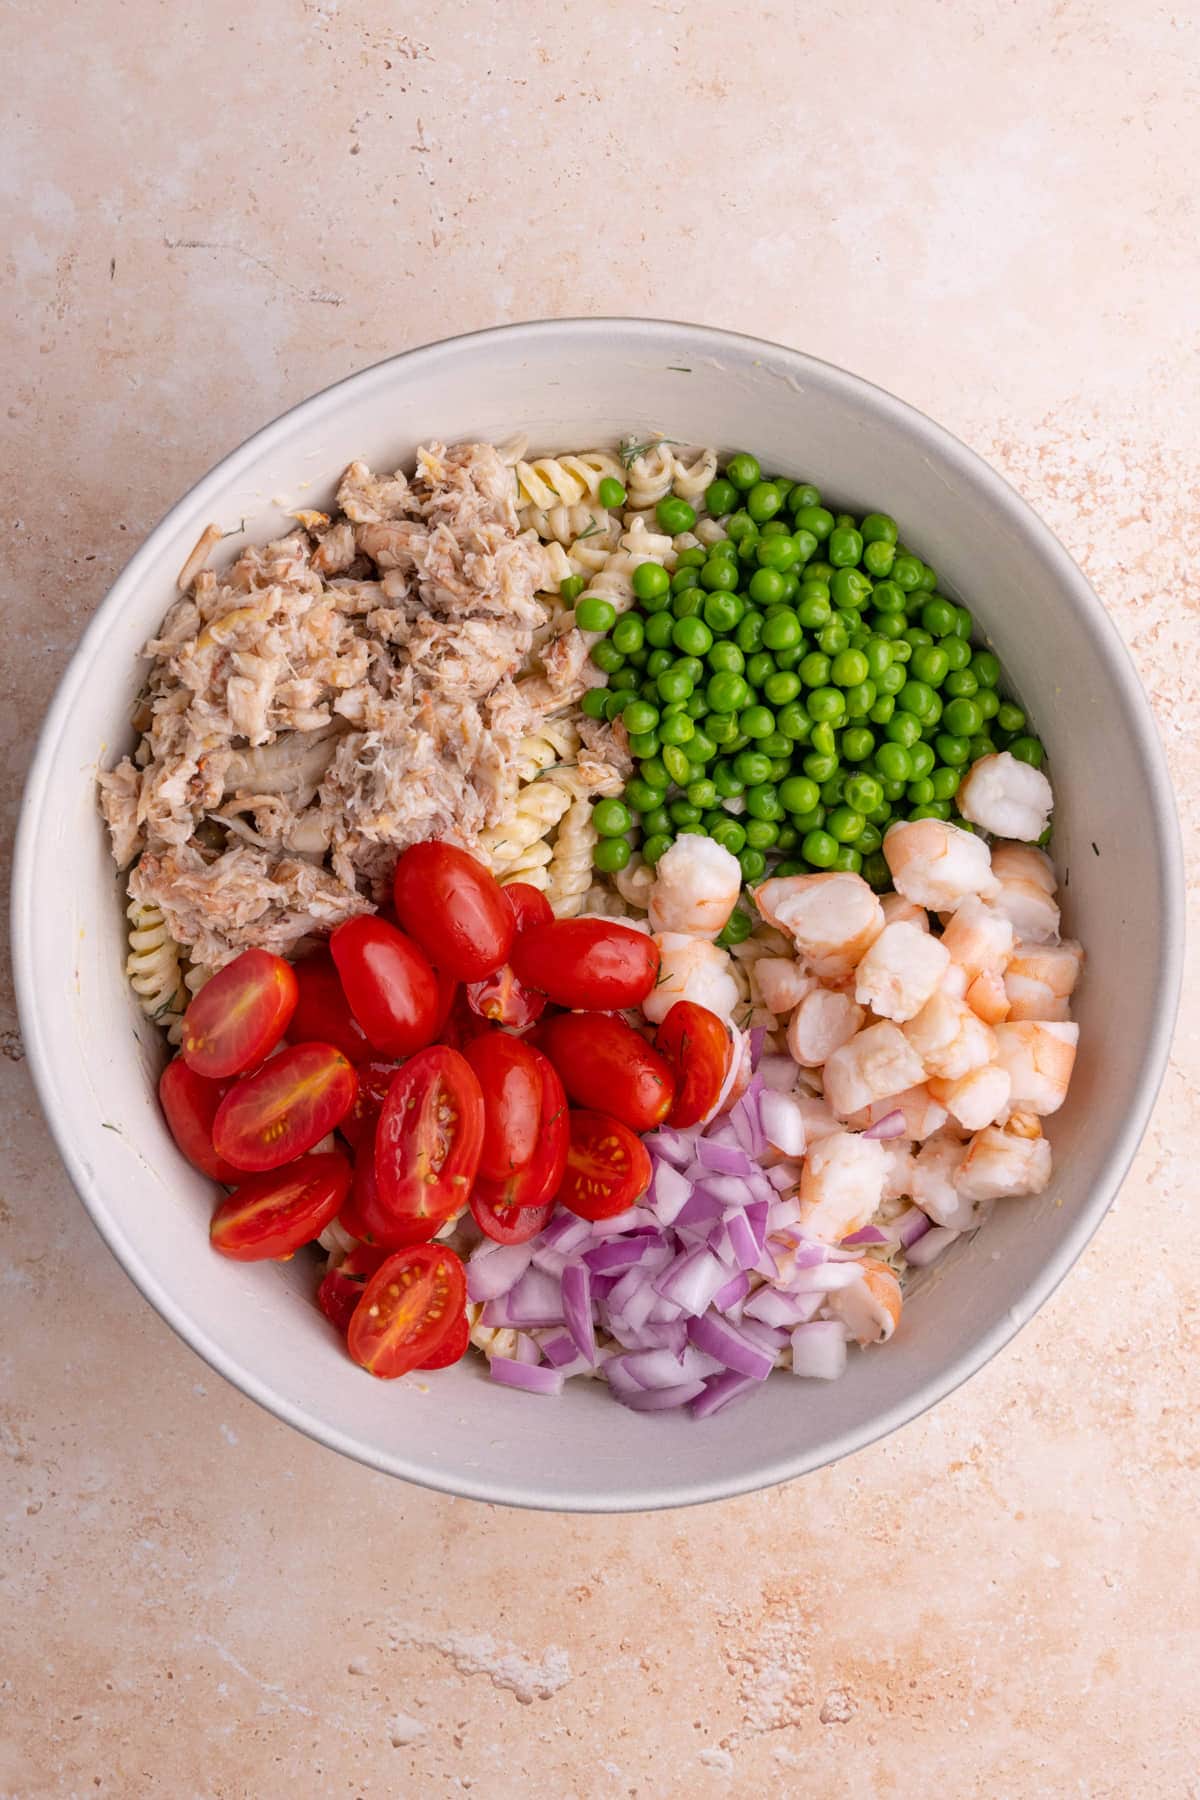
[(1071, 581)]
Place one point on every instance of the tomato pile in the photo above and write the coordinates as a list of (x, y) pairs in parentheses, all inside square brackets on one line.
[(469, 1053)]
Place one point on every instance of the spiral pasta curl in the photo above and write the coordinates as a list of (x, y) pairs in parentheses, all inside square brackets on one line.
[(691, 480), (154, 969), (568, 525), (649, 473), (565, 480), (570, 867), (518, 848), (554, 741)]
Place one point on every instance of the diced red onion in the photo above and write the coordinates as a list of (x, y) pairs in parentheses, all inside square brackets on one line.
[(757, 1214), (929, 1246), (737, 1051), (775, 1307), (778, 1073), (630, 1301), (663, 1312), (729, 1190), (619, 1223), (692, 1280), (825, 1277), (699, 1213), (670, 1190), (536, 1299), (675, 1147), (661, 1399), (720, 1391), (890, 1126), (738, 1244), (782, 1214), (819, 1350), (565, 1232), (494, 1268), (870, 1234), (717, 1337), (726, 1160), (577, 1309), (733, 1292), (784, 1175), (655, 1368), (560, 1350), (782, 1123), (549, 1260), (616, 1255), (526, 1349), (909, 1226), (770, 1338), (746, 1123), (758, 1037), (496, 1314), (531, 1378)]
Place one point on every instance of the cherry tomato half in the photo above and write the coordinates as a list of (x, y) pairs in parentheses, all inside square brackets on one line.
[(524, 1149), (454, 909), (392, 990), (447, 991), (607, 1167), (698, 1048), (504, 1000), (341, 1289), (322, 1014), (190, 1104), (604, 1063), (453, 1346), (272, 1214), (409, 1308), (527, 904), (239, 1016), (429, 1136), (288, 1106), (464, 1024), (508, 1224), (374, 1080), (592, 963), (364, 1214)]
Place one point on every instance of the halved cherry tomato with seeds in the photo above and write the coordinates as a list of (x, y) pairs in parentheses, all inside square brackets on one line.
[(239, 1016), (288, 1106), (392, 990), (464, 1024), (605, 1063), (374, 1080), (364, 1214), (342, 1288), (607, 1167), (323, 1014), (428, 1139), (505, 1000), (452, 1348), (698, 1048), (507, 1224), (447, 994), (274, 1213), (409, 1308), (454, 908), (527, 904), (190, 1105), (592, 963), (524, 1146)]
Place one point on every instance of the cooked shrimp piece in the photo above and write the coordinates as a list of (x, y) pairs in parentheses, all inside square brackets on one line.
[(977, 1098), (1040, 980), (935, 1183), (841, 1185), (953, 981), (781, 982), (824, 1020), (977, 937), (1024, 862), (897, 910), (690, 968), (921, 1113), (949, 1039), (898, 1168), (874, 1065), (832, 919), (999, 1164), (900, 971), (1010, 798), (696, 886), (987, 997), (1039, 1055), (819, 1121), (936, 864), (870, 1308)]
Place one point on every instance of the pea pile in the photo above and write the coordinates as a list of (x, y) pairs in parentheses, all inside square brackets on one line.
[(791, 689)]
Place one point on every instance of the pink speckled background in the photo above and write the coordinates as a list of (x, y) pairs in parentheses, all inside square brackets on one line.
[(210, 212)]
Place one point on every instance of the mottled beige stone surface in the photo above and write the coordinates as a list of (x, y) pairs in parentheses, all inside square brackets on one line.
[(211, 211)]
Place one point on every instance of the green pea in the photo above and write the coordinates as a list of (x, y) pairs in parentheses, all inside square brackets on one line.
[(827, 703), (767, 585), (743, 471), (692, 636), (644, 743), (640, 717), (650, 581), (719, 574), (611, 854), (753, 864), (863, 792), (824, 739), (917, 636), (916, 697), (762, 802), (761, 834), (726, 779), (741, 528), (782, 630), (659, 628), (845, 547), (738, 926), (653, 771), (675, 684), (722, 728), (817, 766), (964, 624), (921, 791), (929, 664), (887, 597), (981, 745), (875, 871), (907, 571), (848, 859), (952, 749), (657, 661), (720, 497), (791, 658), (628, 634), (700, 748), (988, 702), (730, 835), (798, 794), (677, 730), (944, 781), (758, 667), (937, 616), (819, 848), (936, 809), (879, 528), (1028, 750), (780, 765), (809, 821), (888, 625), (922, 759), (593, 702), (656, 822), (684, 813), (781, 687), (610, 493), (595, 614), (848, 668), (814, 669), (803, 494), (683, 581), (748, 636), (611, 818), (869, 839), (1010, 717), (605, 655), (857, 743), (985, 668), (813, 609), (893, 762), (725, 658), (701, 792), (845, 824), (776, 554), (877, 559), (833, 638), (958, 655), (675, 515), (722, 611), (757, 721), (752, 767), (817, 519), (833, 790), (794, 722), (962, 718), (655, 846), (763, 501)]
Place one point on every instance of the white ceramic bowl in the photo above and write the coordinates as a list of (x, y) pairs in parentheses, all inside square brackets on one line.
[(572, 383)]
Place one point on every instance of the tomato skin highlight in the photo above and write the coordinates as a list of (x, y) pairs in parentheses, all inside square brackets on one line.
[(274, 1213), (269, 1118), (323, 1014), (528, 905), (698, 1048), (504, 1000), (391, 987), (607, 1167), (342, 1288), (508, 1224), (591, 964), (429, 1136), (239, 1016), (454, 908), (374, 1080), (189, 1104), (525, 1133), (364, 1214), (409, 1308), (606, 1065)]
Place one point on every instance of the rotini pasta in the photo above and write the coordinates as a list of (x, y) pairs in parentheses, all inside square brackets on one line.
[(649, 473), (554, 741), (517, 849), (691, 480), (565, 480), (570, 867), (153, 967), (567, 525)]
